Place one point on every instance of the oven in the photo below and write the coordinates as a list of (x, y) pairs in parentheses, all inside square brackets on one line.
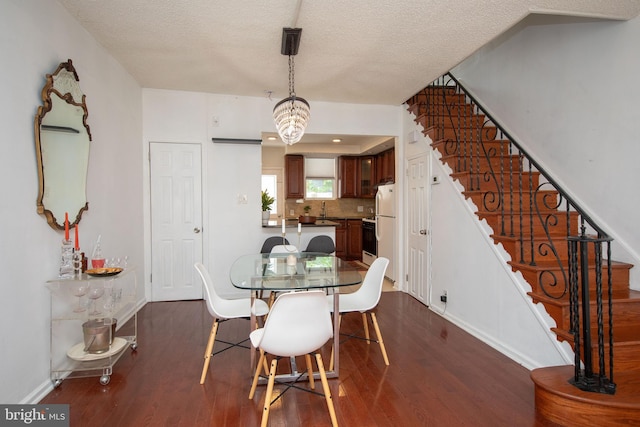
[(369, 242)]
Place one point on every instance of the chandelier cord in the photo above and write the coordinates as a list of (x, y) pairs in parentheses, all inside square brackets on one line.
[(292, 92)]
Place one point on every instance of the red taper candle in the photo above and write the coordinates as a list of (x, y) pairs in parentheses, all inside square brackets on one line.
[(66, 226)]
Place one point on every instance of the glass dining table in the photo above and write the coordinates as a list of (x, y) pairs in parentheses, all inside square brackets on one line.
[(286, 272)]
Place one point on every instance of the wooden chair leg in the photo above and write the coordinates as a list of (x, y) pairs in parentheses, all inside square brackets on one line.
[(267, 397), (257, 374), (209, 350), (365, 324), (272, 298), (331, 360), (327, 391), (307, 360), (379, 335)]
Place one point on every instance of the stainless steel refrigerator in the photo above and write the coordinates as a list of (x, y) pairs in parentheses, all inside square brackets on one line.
[(386, 226)]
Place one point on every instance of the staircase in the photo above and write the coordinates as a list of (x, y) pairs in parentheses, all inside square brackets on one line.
[(560, 251)]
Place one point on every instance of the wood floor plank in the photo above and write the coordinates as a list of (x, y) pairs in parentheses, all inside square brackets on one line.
[(439, 376)]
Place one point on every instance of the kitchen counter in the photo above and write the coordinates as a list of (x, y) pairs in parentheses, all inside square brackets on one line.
[(293, 223)]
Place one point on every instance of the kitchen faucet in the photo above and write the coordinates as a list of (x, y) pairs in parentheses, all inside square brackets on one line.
[(323, 211)]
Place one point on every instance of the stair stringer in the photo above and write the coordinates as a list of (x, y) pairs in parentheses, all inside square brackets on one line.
[(562, 352)]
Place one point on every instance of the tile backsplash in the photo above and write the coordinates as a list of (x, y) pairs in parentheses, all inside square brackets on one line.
[(340, 208)]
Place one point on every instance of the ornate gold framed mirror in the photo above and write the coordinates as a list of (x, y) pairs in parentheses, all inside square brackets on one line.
[(62, 148)]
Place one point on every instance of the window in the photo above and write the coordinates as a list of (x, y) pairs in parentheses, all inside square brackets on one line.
[(270, 183), (320, 178)]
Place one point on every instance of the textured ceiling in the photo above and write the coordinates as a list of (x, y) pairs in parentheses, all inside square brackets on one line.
[(370, 52)]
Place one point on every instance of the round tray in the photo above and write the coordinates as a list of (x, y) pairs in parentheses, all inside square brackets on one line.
[(103, 272), (77, 351)]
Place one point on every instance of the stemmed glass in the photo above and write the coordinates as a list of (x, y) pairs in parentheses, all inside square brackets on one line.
[(79, 291), (94, 294)]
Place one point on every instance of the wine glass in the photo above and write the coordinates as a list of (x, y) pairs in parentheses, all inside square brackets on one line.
[(79, 291), (94, 294)]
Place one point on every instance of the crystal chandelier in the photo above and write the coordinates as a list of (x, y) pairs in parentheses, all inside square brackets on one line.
[(291, 115)]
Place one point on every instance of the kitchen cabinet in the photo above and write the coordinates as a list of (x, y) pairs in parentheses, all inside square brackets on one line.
[(354, 239), (349, 239), (72, 306), (341, 238), (294, 176), (386, 167), (347, 170), (357, 177), (366, 177)]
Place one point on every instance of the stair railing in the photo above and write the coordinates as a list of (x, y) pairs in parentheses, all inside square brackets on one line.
[(522, 194)]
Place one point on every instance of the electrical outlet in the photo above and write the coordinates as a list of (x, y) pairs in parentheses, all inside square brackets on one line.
[(443, 297)]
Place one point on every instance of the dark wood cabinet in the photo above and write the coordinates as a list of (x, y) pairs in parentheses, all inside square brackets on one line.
[(294, 176), (357, 177), (341, 238), (347, 172), (386, 167), (349, 239), (354, 239), (366, 177)]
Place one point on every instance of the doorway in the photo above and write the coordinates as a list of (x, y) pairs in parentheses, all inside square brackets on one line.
[(176, 220), (417, 229)]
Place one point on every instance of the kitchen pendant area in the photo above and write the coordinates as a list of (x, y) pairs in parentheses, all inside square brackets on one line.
[(360, 168)]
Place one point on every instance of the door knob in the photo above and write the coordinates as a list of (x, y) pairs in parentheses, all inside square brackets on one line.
[(196, 230), (423, 231)]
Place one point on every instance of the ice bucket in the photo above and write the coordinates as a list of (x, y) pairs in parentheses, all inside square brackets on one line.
[(98, 334)]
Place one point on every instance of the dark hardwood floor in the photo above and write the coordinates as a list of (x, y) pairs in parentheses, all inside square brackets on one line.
[(439, 376)]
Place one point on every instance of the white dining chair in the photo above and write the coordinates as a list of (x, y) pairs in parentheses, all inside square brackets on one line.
[(364, 300), (298, 324), (284, 249), (224, 309)]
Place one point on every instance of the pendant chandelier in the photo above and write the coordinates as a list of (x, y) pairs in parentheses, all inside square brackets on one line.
[(291, 115)]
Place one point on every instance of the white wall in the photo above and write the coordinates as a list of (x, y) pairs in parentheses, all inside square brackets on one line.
[(232, 229), (568, 92), (35, 36)]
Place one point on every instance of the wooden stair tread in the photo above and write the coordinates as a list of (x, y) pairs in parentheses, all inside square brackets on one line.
[(618, 295), (559, 401), (622, 335), (548, 265)]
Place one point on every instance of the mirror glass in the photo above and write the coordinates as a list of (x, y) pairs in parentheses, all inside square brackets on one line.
[(62, 148)]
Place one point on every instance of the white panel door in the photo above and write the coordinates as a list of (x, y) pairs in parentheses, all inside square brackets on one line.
[(418, 241), (176, 221)]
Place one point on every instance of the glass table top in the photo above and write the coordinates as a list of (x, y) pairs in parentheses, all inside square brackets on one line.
[(294, 271)]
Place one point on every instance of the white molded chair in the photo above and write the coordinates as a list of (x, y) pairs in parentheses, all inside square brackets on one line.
[(364, 300), (284, 249), (299, 323), (224, 309)]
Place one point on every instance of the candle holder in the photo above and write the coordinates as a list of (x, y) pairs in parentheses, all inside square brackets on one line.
[(77, 262), (66, 260)]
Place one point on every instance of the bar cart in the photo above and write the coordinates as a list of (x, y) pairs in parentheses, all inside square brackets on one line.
[(107, 297)]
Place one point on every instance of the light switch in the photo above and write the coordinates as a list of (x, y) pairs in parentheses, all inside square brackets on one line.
[(360, 208)]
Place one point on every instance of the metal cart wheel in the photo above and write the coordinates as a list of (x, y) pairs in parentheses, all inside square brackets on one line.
[(105, 379)]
